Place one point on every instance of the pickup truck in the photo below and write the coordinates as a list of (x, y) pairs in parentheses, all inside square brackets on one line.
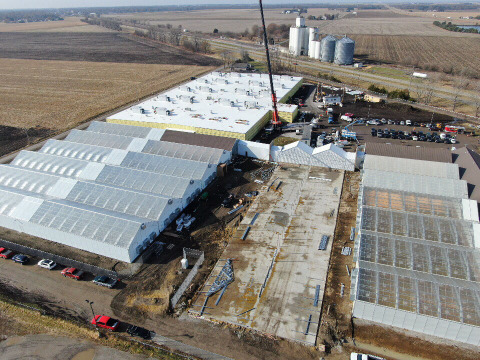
[(5, 253)]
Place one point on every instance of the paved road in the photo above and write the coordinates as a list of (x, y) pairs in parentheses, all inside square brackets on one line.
[(440, 92)]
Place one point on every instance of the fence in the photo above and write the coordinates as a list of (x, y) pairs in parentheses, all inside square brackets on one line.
[(58, 259), (186, 283)]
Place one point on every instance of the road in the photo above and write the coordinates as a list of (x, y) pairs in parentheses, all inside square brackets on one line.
[(257, 51)]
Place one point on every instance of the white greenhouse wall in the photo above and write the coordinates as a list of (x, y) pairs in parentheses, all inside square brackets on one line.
[(420, 323), (253, 149)]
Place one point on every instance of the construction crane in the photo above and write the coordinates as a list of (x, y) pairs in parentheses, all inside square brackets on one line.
[(275, 118)]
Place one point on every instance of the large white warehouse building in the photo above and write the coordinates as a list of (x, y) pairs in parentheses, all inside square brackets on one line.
[(105, 192), (235, 105)]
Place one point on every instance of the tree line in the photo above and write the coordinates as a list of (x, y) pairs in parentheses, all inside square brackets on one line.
[(452, 27)]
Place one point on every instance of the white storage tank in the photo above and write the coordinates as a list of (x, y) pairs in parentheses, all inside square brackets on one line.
[(295, 42), (300, 22), (318, 50), (344, 50), (184, 263), (328, 48), (312, 36)]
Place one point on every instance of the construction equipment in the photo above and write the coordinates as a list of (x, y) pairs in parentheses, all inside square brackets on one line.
[(351, 135), (275, 118)]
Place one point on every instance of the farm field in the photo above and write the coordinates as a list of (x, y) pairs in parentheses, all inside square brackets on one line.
[(108, 47), (234, 20), (385, 22), (46, 96), (443, 52), (70, 24)]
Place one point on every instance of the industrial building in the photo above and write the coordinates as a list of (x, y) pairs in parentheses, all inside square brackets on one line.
[(107, 193), (417, 245), (307, 41), (234, 105)]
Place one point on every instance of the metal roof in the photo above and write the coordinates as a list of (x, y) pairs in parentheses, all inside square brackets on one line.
[(182, 137), (216, 101), (166, 165), (469, 163), (183, 151), (126, 130), (93, 138), (76, 150), (415, 183), (410, 166), (409, 152)]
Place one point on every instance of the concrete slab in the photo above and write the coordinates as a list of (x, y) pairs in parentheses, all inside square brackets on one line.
[(278, 267)]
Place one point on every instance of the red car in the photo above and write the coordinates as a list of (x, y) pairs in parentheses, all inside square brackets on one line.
[(6, 254), (72, 273), (105, 322)]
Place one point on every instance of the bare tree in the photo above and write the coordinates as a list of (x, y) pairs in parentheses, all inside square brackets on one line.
[(459, 85)]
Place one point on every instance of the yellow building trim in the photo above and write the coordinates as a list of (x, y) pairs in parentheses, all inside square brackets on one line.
[(292, 92), (198, 130)]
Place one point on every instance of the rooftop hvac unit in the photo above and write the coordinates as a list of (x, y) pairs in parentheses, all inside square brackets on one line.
[(227, 102), (186, 98), (138, 109), (161, 111), (250, 104), (205, 89)]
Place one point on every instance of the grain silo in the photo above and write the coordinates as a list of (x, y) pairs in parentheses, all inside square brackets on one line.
[(299, 36), (328, 48), (312, 37), (318, 50), (344, 50)]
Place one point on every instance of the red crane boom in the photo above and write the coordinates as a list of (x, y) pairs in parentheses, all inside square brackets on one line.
[(275, 117)]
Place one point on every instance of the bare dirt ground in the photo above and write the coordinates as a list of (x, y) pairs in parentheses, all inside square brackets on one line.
[(104, 47), (336, 309), (234, 20), (46, 347), (70, 24)]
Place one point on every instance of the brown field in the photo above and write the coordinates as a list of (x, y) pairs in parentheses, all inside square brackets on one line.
[(60, 94), (443, 52), (224, 20), (386, 22), (111, 47), (70, 24)]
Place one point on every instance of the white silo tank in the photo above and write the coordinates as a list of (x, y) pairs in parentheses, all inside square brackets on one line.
[(304, 35), (300, 21), (318, 50), (312, 36), (294, 44)]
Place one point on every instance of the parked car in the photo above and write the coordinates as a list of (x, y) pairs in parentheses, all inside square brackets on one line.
[(5, 253), (106, 281), (105, 322), (138, 331), (21, 259), (47, 264), (72, 273), (408, 122)]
